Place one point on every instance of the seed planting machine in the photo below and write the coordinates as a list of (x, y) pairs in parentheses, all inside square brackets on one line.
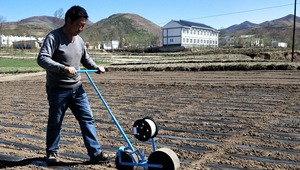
[(128, 157)]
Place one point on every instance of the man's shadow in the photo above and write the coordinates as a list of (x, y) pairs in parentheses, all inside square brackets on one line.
[(39, 161)]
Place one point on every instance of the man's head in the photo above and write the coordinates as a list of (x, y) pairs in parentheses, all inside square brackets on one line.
[(75, 19), (76, 12)]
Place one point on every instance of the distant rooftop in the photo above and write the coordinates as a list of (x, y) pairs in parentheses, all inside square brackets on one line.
[(192, 24)]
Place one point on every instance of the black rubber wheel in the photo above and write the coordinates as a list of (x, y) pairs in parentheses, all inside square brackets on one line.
[(125, 157), (165, 157)]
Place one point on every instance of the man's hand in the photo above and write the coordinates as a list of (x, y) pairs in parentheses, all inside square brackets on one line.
[(100, 70), (70, 70)]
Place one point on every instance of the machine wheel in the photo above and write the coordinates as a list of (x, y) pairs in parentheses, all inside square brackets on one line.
[(165, 157), (125, 157)]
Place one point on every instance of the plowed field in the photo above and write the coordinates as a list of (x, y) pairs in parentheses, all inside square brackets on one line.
[(211, 120)]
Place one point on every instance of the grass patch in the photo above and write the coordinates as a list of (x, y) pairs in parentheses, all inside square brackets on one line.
[(18, 65), (13, 66)]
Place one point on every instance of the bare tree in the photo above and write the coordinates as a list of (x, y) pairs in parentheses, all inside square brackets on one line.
[(2, 20), (59, 13)]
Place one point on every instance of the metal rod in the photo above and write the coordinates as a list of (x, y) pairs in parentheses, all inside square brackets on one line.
[(294, 29), (153, 144), (106, 106), (84, 71)]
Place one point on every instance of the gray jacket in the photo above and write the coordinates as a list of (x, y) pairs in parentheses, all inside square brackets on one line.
[(56, 53)]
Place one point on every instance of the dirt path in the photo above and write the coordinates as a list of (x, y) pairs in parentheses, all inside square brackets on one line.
[(212, 120), (19, 77)]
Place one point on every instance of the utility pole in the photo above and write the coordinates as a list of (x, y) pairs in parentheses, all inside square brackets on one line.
[(294, 28)]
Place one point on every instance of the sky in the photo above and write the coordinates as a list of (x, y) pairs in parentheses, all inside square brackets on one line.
[(215, 13)]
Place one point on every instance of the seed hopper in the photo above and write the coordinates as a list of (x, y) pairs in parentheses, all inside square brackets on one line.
[(128, 157)]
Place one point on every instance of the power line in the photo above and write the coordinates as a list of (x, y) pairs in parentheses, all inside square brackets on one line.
[(238, 12)]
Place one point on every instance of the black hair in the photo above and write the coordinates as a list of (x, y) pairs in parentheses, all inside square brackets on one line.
[(75, 12)]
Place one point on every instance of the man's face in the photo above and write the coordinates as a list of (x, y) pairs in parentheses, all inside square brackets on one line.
[(77, 26)]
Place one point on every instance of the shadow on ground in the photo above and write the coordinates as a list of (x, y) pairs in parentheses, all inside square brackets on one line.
[(39, 161)]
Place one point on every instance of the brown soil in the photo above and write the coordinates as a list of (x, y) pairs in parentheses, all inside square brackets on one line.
[(211, 120)]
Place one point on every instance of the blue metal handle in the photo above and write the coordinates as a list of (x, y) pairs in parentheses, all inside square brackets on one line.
[(106, 106), (86, 71)]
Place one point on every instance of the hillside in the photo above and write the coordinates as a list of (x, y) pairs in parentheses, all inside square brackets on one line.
[(129, 29), (245, 25), (279, 29), (34, 26), (134, 30)]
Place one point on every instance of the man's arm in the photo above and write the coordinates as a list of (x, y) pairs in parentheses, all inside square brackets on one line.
[(44, 58), (89, 63)]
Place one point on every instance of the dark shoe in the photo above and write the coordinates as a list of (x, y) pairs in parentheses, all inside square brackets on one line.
[(51, 158), (102, 158)]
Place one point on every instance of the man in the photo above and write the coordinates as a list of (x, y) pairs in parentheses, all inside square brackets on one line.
[(61, 55)]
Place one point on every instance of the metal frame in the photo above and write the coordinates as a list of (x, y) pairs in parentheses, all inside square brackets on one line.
[(143, 162)]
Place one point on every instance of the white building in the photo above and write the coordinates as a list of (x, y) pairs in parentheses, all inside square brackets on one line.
[(9, 41), (109, 45), (189, 34), (279, 44)]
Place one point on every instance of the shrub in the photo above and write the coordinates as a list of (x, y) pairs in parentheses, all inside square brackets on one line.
[(258, 67), (271, 67)]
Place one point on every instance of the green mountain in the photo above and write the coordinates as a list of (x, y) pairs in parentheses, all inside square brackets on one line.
[(130, 29)]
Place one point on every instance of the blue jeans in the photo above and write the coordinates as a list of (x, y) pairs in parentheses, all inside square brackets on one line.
[(60, 99)]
